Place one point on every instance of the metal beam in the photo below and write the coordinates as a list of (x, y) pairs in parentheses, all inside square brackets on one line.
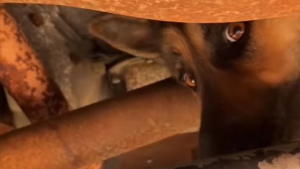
[(24, 76), (92, 134), (200, 11)]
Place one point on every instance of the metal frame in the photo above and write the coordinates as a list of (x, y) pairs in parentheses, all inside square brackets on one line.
[(90, 135), (82, 139), (24, 76), (184, 10)]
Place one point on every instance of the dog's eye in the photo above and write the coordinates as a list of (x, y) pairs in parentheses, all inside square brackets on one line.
[(189, 80), (234, 31)]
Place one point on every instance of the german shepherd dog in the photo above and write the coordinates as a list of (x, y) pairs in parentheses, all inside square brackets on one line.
[(245, 73)]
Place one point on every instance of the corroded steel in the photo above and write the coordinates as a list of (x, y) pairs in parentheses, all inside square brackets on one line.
[(24, 76), (184, 10), (86, 137)]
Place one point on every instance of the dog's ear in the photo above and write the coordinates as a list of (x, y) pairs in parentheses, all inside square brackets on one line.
[(138, 37)]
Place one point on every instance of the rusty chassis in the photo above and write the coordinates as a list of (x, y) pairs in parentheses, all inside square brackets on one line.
[(184, 10), (81, 139)]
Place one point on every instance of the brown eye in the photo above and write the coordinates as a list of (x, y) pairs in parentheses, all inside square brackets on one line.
[(235, 31), (189, 80)]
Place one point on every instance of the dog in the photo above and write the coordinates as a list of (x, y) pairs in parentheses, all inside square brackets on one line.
[(246, 74)]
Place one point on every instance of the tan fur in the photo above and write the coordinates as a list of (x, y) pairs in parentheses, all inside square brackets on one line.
[(175, 42), (275, 42)]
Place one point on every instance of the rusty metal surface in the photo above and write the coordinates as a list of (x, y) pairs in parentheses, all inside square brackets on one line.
[(139, 72), (5, 128), (24, 76), (144, 73), (92, 134), (184, 10), (277, 157), (70, 64)]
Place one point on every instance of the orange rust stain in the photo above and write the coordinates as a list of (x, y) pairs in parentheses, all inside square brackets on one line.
[(190, 11), (24, 75)]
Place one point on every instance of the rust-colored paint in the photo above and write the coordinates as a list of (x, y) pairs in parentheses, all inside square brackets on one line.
[(184, 10), (24, 75), (86, 137)]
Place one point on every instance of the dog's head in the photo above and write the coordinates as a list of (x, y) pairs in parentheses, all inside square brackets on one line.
[(263, 51), (236, 68)]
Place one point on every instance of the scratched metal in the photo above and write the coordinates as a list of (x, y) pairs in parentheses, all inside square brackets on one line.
[(185, 10), (24, 75)]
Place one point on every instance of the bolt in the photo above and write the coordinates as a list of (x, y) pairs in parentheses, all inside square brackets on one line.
[(149, 161), (116, 80), (149, 61)]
